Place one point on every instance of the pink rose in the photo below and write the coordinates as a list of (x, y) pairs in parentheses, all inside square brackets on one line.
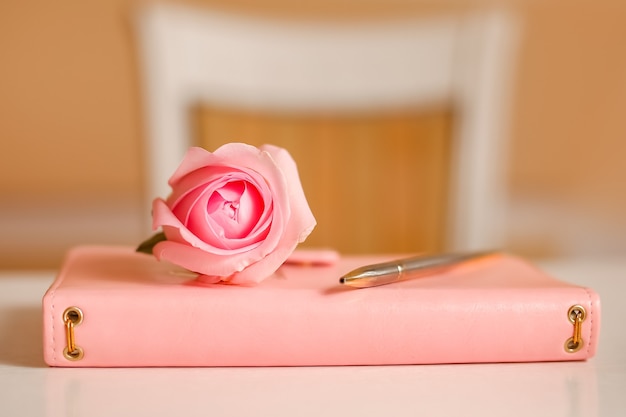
[(234, 215)]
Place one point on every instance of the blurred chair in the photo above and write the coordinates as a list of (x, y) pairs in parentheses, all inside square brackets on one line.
[(240, 68)]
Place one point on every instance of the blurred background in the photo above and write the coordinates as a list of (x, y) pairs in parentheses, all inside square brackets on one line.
[(75, 133)]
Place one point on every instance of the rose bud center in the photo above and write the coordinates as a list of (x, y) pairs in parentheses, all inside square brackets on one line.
[(235, 208)]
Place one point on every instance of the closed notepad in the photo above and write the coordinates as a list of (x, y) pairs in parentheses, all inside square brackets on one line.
[(137, 311)]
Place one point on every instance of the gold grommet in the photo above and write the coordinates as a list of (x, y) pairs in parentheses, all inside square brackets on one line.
[(574, 312), (573, 347), (73, 314), (76, 355)]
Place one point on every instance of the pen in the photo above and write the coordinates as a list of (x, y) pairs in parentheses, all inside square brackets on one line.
[(403, 269)]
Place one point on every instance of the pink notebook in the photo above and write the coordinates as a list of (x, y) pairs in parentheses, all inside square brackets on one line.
[(112, 307)]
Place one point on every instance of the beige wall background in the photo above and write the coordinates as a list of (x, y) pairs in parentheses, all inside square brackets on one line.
[(71, 136)]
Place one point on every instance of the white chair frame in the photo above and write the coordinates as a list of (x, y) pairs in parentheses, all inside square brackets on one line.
[(190, 56)]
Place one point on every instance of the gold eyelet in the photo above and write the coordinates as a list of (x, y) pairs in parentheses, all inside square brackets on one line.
[(73, 314), (75, 355)]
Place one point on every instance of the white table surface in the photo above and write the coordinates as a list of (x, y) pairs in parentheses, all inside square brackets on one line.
[(593, 388)]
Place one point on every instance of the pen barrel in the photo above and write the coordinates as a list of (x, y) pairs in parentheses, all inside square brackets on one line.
[(399, 270), (415, 266)]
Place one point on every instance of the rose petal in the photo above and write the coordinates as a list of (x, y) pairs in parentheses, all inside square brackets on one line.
[(302, 221), (184, 206), (202, 262), (263, 269), (251, 209), (196, 158), (201, 179)]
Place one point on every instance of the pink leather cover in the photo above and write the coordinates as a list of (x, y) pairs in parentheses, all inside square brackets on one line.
[(140, 312)]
